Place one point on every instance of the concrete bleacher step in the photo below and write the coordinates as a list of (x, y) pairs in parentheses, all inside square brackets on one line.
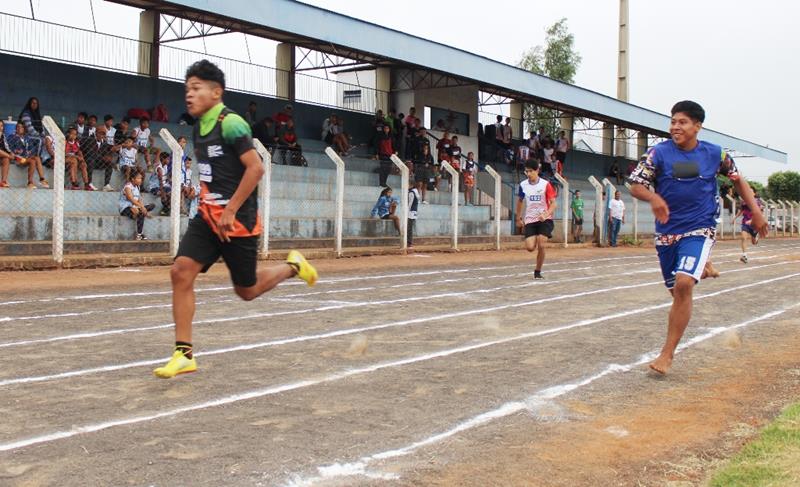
[(105, 227)]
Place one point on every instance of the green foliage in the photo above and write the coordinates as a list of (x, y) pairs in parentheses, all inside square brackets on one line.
[(557, 60), (784, 185), (759, 188)]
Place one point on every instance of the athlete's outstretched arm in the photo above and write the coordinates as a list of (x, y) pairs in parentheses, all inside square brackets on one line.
[(253, 170)]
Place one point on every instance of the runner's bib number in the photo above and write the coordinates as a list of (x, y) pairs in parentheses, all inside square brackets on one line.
[(205, 172)]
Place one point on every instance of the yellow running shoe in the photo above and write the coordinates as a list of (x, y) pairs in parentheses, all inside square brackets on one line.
[(178, 364), (305, 271)]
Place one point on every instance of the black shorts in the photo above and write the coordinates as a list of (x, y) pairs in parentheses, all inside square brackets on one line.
[(539, 228), (577, 221), (422, 173), (202, 245)]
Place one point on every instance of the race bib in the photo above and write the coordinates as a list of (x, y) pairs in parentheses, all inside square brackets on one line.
[(204, 171)]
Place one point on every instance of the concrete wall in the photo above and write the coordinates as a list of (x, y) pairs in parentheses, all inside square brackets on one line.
[(64, 90)]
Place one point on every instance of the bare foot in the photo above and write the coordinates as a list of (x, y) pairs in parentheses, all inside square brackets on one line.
[(709, 271), (661, 364)]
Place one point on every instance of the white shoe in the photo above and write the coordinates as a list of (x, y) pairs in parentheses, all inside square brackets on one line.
[(108, 188), (91, 187), (424, 202)]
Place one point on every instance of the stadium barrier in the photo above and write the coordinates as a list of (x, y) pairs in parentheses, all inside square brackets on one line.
[(454, 175), (566, 213), (498, 188), (635, 214), (175, 196), (58, 186), (733, 210), (404, 188), (599, 227), (265, 190), (339, 199)]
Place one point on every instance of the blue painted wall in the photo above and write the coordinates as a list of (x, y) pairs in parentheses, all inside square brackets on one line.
[(64, 90)]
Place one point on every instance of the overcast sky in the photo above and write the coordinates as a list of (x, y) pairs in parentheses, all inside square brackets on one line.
[(738, 59)]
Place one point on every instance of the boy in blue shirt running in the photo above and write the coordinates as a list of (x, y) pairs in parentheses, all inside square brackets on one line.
[(683, 173)]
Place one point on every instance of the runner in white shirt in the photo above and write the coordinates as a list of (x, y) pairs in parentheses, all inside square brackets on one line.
[(539, 198)]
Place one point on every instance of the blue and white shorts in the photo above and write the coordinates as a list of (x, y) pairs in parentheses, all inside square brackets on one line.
[(687, 255)]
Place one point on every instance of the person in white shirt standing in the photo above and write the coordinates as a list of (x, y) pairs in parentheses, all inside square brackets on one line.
[(616, 217), (539, 198)]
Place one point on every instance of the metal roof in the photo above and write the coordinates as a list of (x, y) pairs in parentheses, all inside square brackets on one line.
[(327, 31)]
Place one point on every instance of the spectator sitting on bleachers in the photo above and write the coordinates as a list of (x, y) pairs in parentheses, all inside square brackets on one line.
[(111, 132), (385, 208), (25, 150), (419, 142), (399, 134), (423, 172), (454, 152), (80, 124), (159, 182), (188, 190), (288, 143), (337, 136), (250, 115), (73, 160), (264, 131), (615, 172), (144, 142), (91, 127), (385, 151), (47, 152), (5, 157), (121, 132), (31, 118), (132, 205), (282, 118), (127, 158), (99, 155), (409, 123)]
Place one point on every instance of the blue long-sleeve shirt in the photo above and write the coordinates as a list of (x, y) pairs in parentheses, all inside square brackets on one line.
[(383, 206)]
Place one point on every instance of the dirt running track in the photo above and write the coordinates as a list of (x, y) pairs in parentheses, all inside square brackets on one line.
[(446, 369)]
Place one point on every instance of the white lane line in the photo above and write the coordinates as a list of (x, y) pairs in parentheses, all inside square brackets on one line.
[(88, 335), (90, 428), (350, 331), (333, 280), (360, 467)]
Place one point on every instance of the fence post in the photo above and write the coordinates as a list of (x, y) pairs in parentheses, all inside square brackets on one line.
[(792, 204), (264, 196), (635, 215), (498, 191), (454, 206), (175, 196), (339, 198), (566, 213), (58, 187), (404, 174), (733, 220), (598, 211), (770, 207), (783, 214)]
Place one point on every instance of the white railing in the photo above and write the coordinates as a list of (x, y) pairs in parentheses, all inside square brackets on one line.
[(565, 212), (733, 209), (265, 191), (58, 187), (175, 195), (403, 200), (635, 215), (598, 211), (792, 204), (771, 206), (454, 205), (498, 189), (338, 222)]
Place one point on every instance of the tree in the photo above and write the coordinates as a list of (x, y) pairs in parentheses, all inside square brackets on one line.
[(784, 185), (758, 188), (557, 60)]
